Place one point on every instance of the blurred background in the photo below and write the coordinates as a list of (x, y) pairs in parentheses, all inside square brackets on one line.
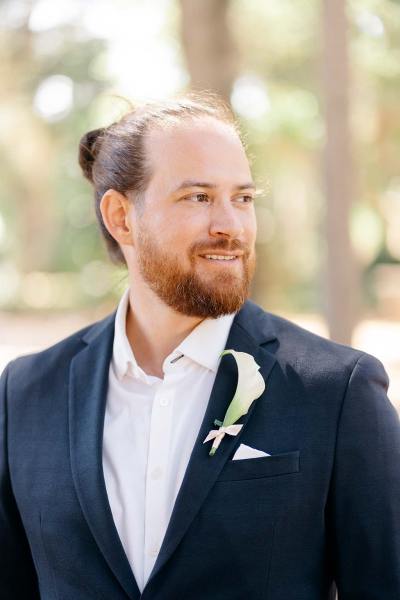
[(315, 86)]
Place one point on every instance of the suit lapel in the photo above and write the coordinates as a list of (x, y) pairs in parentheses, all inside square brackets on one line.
[(88, 392), (203, 470), (87, 401)]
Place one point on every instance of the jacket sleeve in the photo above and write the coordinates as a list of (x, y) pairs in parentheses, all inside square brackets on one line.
[(363, 508), (17, 573)]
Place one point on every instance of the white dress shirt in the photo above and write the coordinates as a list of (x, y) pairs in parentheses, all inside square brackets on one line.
[(150, 428)]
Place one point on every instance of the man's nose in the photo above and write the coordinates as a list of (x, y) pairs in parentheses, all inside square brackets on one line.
[(225, 220)]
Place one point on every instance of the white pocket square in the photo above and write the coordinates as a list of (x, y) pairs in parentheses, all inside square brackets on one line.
[(245, 451)]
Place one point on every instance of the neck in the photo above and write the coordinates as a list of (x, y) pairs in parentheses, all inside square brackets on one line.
[(154, 329)]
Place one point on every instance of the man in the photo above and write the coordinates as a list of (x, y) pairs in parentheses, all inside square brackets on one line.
[(108, 489)]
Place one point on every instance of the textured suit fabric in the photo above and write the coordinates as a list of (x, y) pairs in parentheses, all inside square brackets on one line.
[(322, 512)]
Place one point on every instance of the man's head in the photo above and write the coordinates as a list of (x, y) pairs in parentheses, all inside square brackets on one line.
[(172, 185)]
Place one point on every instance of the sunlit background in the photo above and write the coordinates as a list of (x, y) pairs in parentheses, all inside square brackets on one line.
[(74, 65)]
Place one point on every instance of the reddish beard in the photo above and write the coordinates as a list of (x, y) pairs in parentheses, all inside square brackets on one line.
[(188, 292)]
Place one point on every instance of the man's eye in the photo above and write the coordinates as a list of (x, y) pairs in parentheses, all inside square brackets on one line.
[(198, 197), (201, 197)]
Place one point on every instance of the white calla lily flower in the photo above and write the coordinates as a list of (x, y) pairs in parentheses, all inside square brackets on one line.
[(249, 387)]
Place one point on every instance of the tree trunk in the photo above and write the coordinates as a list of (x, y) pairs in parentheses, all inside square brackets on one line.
[(210, 52), (341, 272)]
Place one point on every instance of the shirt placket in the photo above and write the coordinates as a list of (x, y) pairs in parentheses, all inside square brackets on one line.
[(156, 474)]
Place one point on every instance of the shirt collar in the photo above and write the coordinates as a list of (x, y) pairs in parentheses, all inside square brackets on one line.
[(207, 340), (203, 345)]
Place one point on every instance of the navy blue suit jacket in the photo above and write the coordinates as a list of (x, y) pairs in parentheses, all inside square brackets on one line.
[(322, 512)]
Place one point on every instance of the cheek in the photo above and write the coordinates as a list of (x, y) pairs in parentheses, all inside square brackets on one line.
[(250, 228), (183, 230)]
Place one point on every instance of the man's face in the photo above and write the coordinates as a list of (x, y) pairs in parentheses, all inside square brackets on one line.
[(199, 202)]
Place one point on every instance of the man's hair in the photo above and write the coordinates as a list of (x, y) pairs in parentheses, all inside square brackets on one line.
[(114, 157)]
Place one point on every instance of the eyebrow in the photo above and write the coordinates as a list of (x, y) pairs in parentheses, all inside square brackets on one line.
[(188, 183)]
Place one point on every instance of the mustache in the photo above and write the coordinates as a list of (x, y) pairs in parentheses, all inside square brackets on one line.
[(226, 245)]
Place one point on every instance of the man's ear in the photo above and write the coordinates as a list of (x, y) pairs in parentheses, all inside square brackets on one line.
[(114, 208)]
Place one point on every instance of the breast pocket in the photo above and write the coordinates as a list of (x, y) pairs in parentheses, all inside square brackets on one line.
[(265, 466)]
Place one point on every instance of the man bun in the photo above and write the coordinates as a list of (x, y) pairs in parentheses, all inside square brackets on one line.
[(87, 151)]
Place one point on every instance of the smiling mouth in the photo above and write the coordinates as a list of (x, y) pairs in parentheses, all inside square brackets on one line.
[(226, 260)]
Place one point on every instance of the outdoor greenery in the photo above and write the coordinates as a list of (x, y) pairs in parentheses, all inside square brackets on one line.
[(67, 67)]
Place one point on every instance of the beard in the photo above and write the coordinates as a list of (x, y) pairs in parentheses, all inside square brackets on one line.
[(214, 292)]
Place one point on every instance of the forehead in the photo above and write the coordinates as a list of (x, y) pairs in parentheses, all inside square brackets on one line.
[(203, 149)]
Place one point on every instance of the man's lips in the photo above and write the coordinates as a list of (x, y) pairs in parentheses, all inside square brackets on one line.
[(219, 253), (222, 253), (219, 261)]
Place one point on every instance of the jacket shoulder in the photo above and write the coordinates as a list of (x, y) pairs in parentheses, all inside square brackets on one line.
[(300, 347), (55, 356)]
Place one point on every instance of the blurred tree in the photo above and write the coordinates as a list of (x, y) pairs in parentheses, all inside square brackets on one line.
[(26, 146), (210, 51), (342, 297), (64, 63), (45, 84)]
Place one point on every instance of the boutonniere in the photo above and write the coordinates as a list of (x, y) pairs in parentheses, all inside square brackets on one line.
[(250, 386)]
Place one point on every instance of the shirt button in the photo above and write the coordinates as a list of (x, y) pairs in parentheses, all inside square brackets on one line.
[(153, 551), (164, 401), (156, 473)]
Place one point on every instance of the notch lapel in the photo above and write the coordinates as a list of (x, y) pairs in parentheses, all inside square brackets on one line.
[(87, 400), (203, 470)]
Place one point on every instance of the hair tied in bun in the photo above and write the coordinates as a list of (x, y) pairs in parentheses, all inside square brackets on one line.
[(87, 151)]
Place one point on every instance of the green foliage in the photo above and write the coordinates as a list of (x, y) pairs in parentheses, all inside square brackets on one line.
[(47, 220)]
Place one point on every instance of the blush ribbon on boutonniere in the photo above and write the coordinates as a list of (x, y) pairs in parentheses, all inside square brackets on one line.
[(250, 386)]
